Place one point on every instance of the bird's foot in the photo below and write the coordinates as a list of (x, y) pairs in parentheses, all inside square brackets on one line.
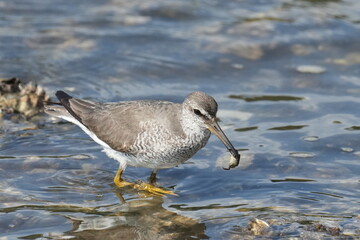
[(143, 187), (152, 189), (121, 183)]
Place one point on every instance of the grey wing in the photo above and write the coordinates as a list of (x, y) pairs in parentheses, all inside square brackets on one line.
[(117, 126), (107, 121), (120, 124), (111, 125)]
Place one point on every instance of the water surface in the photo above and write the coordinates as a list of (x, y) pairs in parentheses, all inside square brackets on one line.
[(285, 74)]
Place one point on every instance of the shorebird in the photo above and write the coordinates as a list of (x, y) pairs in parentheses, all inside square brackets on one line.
[(146, 133)]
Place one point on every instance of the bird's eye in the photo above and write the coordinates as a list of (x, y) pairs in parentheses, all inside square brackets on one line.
[(197, 112)]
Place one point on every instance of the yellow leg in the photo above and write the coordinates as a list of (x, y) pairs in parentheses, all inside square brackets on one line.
[(141, 186), (118, 181)]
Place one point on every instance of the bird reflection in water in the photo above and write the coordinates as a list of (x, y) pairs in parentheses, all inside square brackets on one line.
[(142, 218)]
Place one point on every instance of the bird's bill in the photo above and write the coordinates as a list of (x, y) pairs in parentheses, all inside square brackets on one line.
[(214, 127)]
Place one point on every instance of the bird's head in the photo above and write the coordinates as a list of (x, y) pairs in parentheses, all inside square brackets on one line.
[(202, 109)]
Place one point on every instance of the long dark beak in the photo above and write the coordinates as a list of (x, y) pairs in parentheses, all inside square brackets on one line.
[(214, 127)]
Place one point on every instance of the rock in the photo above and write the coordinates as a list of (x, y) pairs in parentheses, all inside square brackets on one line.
[(24, 99), (11, 85), (258, 227), (328, 227)]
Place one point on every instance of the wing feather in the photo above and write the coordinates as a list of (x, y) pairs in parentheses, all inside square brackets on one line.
[(119, 124)]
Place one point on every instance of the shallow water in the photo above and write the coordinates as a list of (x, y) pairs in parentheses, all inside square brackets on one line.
[(285, 75)]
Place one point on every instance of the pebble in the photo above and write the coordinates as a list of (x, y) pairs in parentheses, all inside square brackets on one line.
[(347, 149), (302, 154), (238, 66), (310, 69), (357, 153), (311, 138), (136, 20)]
